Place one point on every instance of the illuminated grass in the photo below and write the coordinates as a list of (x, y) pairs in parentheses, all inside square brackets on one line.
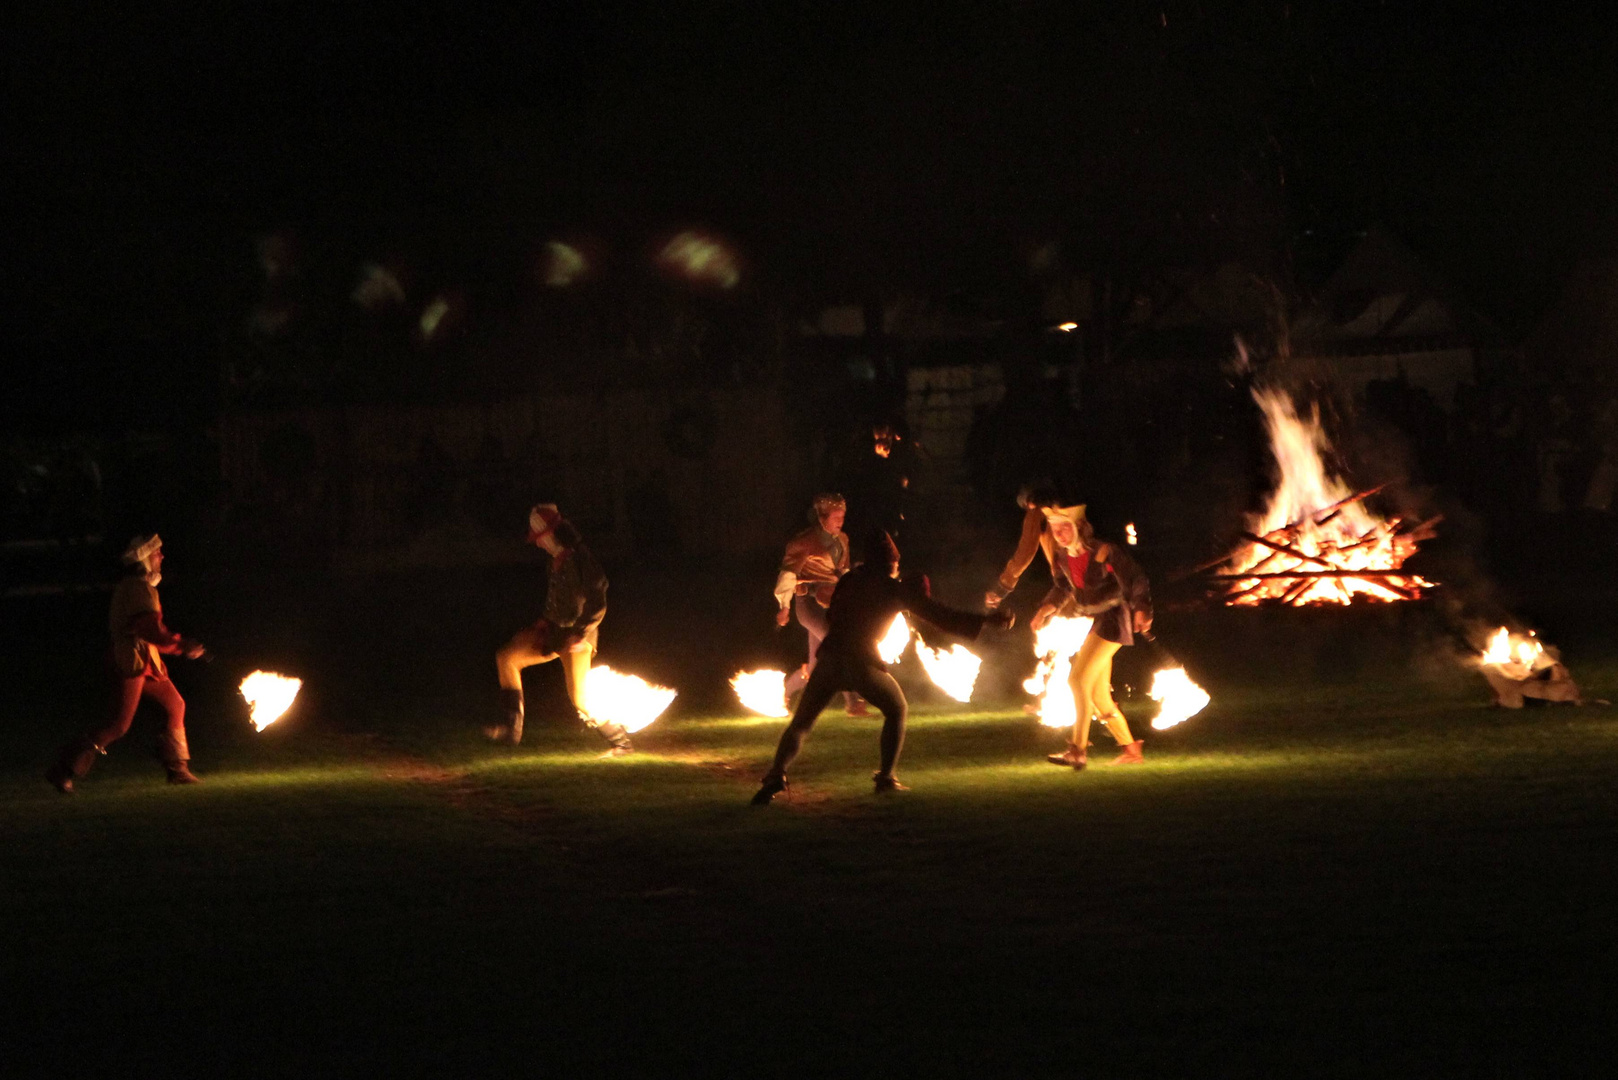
[(430, 900)]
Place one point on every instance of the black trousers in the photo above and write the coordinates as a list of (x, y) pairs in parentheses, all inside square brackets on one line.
[(834, 674)]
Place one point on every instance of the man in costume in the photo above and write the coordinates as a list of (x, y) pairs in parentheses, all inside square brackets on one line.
[(1101, 581), (863, 606), (815, 560), (139, 642), (575, 604)]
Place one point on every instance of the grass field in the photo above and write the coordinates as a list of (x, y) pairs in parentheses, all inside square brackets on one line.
[(1384, 878)]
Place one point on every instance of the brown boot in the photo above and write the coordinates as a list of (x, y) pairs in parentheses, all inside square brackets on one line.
[(1072, 757), (180, 773), (617, 740), (72, 764), (1131, 754), (511, 730)]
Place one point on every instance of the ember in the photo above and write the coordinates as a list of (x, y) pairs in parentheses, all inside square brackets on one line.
[(763, 691), (1318, 543), (269, 696)]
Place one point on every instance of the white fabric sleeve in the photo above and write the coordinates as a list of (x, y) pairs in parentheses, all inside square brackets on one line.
[(785, 587)]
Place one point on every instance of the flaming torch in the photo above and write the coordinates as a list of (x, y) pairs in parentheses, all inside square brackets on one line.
[(954, 672), (1054, 646), (762, 691), (1180, 697), (626, 700), (269, 696), (893, 643)]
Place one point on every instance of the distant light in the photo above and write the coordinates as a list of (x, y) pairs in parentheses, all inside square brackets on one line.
[(702, 259), (1068, 327), (564, 264), (378, 287), (1129, 534), (432, 317)]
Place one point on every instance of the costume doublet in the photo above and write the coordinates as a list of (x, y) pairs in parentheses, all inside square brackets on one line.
[(1105, 584), (575, 598)]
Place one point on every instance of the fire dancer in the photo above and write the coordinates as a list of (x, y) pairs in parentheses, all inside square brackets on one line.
[(815, 560), (865, 602), (139, 640), (1035, 537), (575, 604), (1099, 580)]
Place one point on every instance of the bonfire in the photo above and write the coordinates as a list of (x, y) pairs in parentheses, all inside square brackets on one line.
[(1317, 542)]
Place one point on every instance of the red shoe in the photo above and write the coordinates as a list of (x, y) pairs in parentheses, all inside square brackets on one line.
[(1072, 757), (1131, 754), (857, 707)]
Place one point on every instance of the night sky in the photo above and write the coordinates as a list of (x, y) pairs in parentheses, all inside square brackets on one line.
[(845, 148)]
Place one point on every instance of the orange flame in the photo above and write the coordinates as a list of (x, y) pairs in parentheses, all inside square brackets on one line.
[(1313, 528), (893, 643), (269, 696), (1054, 646), (1180, 697), (955, 672), (613, 697), (762, 691)]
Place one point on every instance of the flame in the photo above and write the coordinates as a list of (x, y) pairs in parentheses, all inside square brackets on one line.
[(1054, 646), (627, 700), (1181, 698), (762, 691), (269, 696), (1129, 535), (1515, 655), (892, 645), (954, 672), (1347, 538)]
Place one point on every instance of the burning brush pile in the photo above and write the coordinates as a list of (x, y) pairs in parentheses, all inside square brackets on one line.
[(1317, 542), (1520, 666)]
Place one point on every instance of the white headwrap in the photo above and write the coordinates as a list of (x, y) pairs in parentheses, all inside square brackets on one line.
[(140, 552)]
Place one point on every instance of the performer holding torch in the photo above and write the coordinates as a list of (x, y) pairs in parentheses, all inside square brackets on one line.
[(139, 642), (1035, 537), (815, 560), (1099, 580), (575, 604), (865, 602)]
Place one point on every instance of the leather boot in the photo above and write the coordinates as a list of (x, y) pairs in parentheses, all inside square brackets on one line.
[(72, 764), (1131, 754), (1072, 757), (176, 758), (511, 730), (180, 773), (617, 739)]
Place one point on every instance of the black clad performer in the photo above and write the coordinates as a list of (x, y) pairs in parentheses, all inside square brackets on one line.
[(866, 600)]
